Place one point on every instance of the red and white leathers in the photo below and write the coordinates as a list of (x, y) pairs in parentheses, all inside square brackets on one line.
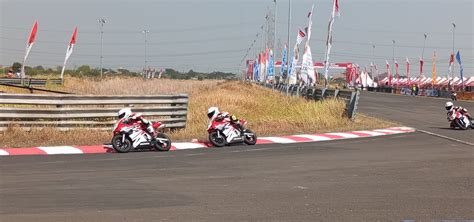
[(461, 110), (137, 117)]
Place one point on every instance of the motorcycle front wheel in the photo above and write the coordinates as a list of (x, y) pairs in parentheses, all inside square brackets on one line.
[(216, 140), (165, 145), (459, 124), (250, 139), (120, 146)]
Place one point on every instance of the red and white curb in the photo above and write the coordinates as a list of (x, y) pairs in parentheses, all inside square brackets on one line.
[(301, 138)]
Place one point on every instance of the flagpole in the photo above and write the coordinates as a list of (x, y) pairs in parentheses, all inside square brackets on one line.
[(274, 41), (454, 31), (393, 61), (288, 48)]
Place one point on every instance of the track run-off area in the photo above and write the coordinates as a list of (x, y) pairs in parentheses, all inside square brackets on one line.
[(422, 176)]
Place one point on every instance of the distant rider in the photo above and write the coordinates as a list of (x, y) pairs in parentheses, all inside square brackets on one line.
[(214, 115), (127, 116), (451, 108)]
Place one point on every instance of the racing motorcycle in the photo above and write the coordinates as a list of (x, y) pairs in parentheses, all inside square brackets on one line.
[(226, 132), (457, 119), (134, 136)]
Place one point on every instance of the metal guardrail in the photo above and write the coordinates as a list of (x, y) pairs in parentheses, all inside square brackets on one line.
[(33, 89), (317, 94), (30, 82), (85, 111)]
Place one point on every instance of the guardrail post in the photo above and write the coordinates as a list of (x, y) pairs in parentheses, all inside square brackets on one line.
[(352, 105), (323, 93)]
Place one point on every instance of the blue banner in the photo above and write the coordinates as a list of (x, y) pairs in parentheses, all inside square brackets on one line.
[(283, 61), (458, 58), (271, 66), (255, 71)]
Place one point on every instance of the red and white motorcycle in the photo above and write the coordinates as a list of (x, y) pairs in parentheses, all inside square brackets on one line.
[(457, 119), (226, 132), (129, 136)]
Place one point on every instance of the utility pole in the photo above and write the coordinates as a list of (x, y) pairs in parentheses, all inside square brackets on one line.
[(102, 21)]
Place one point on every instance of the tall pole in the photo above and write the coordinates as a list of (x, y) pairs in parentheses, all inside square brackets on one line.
[(102, 21), (454, 31), (373, 63), (424, 44), (393, 55), (274, 38), (288, 42), (145, 32)]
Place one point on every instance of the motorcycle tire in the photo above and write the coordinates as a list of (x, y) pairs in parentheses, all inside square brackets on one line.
[(215, 140), (163, 146), (250, 140), (119, 146), (459, 124)]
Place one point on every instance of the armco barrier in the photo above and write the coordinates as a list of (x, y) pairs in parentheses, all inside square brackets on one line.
[(311, 93), (86, 111), (30, 82)]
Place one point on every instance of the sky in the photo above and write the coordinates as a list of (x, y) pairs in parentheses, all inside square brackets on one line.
[(214, 35)]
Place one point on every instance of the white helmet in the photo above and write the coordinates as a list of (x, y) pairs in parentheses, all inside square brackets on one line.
[(449, 105), (124, 113), (212, 112)]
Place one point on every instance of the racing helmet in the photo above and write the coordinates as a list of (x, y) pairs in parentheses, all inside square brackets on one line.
[(212, 112), (124, 113), (449, 105)]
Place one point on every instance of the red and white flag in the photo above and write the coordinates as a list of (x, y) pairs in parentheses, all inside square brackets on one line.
[(408, 71), (451, 63), (335, 10), (300, 37), (421, 67), (69, 49), (396, 73), (389, 74), (29, 45)]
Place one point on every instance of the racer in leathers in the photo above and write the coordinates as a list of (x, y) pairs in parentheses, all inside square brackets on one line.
[(127, 116), (214, 115), (451, 108)]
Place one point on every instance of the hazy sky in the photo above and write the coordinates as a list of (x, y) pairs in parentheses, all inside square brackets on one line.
[(208, 35)]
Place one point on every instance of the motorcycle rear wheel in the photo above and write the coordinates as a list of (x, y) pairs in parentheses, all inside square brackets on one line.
[(216, 140), (252, 140), (163, 146), (119, 146)]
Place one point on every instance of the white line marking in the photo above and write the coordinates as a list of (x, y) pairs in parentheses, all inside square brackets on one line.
[(313, 137), (446, 137), (344, 135), (3, 153), (278, 139), (60, 150)]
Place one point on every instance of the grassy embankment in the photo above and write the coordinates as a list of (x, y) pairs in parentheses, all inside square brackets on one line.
[(268, 113)]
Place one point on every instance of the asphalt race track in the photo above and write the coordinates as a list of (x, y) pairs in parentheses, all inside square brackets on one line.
[(413, 176), (427, 114)]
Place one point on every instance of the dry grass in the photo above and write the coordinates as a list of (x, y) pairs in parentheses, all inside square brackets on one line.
[(135, 86), (268, 113)]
